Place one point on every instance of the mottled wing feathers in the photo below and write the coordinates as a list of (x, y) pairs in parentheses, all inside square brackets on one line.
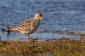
[(23, 25), (27, 21)]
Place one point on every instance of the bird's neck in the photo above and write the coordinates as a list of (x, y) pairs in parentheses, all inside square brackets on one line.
[(35, 18)]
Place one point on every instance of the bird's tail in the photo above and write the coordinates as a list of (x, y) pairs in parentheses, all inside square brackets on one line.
[(8, 28)]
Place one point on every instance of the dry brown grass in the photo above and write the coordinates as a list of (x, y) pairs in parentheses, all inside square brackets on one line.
[(55, 48)]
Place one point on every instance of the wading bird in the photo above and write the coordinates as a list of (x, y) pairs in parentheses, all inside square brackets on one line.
[(28, 26)]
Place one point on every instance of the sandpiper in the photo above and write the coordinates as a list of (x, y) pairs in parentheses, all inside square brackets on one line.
[(28, 26)]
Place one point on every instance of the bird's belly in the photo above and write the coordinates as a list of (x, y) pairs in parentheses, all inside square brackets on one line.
[(28, 30)]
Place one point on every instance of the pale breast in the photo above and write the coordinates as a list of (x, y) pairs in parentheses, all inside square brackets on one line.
[(34, 26)]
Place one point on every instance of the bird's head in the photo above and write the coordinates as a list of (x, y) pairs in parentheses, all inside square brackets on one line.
[(38, 16)]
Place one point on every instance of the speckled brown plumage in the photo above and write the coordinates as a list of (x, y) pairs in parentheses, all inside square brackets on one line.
[(28, 26)]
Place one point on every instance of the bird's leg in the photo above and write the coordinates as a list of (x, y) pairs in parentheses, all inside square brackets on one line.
[(28, 36), (18, 36), (30, 39)]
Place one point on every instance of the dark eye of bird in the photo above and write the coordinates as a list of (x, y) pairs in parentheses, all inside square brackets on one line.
[(38, 16)]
